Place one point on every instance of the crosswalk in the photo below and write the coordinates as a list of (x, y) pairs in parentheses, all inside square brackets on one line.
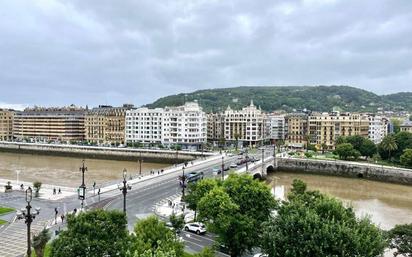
[(14, 237)]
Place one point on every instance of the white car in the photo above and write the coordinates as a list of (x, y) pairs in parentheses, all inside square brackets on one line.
[(260, 255), (233, 165), (196, 227)]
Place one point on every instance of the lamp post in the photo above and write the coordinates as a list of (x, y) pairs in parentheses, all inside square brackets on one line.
[(223, 167), (82, 188), (140, 164), (183, 181), (263, 159), (28, 217), (124, 189), (247, 160)]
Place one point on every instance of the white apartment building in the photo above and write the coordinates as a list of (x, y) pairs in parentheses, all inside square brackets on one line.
[(246, 125), (378, 128), (276, 127), (184, 125)]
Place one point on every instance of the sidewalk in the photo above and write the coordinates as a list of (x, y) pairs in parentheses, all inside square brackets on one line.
[(46, 191), (173, 205)]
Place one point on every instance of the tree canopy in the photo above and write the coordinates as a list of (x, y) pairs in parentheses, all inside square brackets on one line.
[(401, 239), (93, 234), (313, 224)]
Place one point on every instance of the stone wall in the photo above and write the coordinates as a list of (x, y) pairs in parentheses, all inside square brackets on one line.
[(346, 169), (149, 155)]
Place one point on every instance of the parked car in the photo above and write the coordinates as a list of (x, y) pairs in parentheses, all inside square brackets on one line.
[(233, 165), (196, 227)]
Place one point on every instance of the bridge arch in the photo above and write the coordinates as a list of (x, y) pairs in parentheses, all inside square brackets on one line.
[(257, 175), (270, 168)]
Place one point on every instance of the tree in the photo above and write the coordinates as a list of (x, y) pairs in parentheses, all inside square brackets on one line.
[(237, 136), (403, 140), (396, 123), (389, 144), (406, 158), (93, 234), (206, 252), (40, 241), (356, 141), (197, 191), (324, 147), (367, 148), (235, 210), (401, 239), (313, 224), (177, 222), (340, 140), (37, 186), (153, 238), (346, 150)]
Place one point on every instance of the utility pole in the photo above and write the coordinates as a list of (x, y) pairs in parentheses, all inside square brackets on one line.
[(183, 182), (223, 167), (82, 189), (263, 160)]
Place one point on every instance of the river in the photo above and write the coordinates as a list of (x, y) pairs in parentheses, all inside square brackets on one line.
[(64, 171)]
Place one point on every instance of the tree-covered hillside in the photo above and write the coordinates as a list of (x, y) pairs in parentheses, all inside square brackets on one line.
[(319, 98)]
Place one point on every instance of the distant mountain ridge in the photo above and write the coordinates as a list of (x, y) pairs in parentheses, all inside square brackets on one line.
[(316, 98)]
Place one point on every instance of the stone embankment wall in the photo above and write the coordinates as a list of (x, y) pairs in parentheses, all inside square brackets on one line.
[(347, 169), (149, 155)]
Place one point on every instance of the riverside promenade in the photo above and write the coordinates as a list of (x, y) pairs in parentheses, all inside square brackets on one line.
[(100, 152)]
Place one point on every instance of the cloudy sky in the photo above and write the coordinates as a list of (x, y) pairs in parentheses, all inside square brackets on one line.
[(55, 52)]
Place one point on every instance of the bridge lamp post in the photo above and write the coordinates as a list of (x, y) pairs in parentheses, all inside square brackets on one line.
[(82, 188), (183, 182), (247, 160), (28, 217), (223, 167), (263, 159), (124, 189)]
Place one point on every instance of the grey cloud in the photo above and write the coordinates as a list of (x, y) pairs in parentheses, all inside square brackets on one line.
[(90, 52)]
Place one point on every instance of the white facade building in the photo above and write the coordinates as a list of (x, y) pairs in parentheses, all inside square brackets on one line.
[(378, 128), (184, 125), (276, 127)]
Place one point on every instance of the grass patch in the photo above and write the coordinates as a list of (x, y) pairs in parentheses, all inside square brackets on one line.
[(2, 222), (4, 210)]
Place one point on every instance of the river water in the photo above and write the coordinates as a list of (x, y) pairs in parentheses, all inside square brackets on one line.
[(386, 204), (64, 171)]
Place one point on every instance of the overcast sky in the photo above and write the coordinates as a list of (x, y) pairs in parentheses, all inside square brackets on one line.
[(110, 52)]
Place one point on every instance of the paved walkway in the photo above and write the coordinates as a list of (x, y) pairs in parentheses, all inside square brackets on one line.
[(14, 238), (173, 204)]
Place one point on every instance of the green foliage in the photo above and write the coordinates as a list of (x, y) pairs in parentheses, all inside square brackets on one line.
[(233, 213), (401, 239), (312, 147), (406, 158), (345, 151), (319, 98), (93, 234), (313, 224), (396, 123), (4, 210), (393, 145), (39, 242), (367, 148), (37, 186), (177, 222), (206, 252), (309, 155), (198, 190), (152, 238)]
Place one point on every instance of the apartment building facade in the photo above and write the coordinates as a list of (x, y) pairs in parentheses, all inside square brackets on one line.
[(297, 129), (106, 124), (183, 125), (43, 124), (6, 124), (325, 128), (275, 127), (378, 128), (406, 126)]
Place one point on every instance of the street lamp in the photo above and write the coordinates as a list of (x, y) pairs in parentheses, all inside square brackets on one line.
[(140, 164), (183, 182), (223, 167), (263, 159), (247, 160), (82, 188), (28, 217), (124, 189)]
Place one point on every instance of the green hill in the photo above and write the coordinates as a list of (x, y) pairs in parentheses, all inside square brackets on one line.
[(318, 98)]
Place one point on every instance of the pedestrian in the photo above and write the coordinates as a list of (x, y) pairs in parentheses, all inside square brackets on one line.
[(22, 187), (55, 214), (54, 190), (161, 171), (158, 172), (60, 191), (62, 217), (74, 211)]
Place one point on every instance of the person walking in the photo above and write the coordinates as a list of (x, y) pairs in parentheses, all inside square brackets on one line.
[(62, 217), (55, 214)]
